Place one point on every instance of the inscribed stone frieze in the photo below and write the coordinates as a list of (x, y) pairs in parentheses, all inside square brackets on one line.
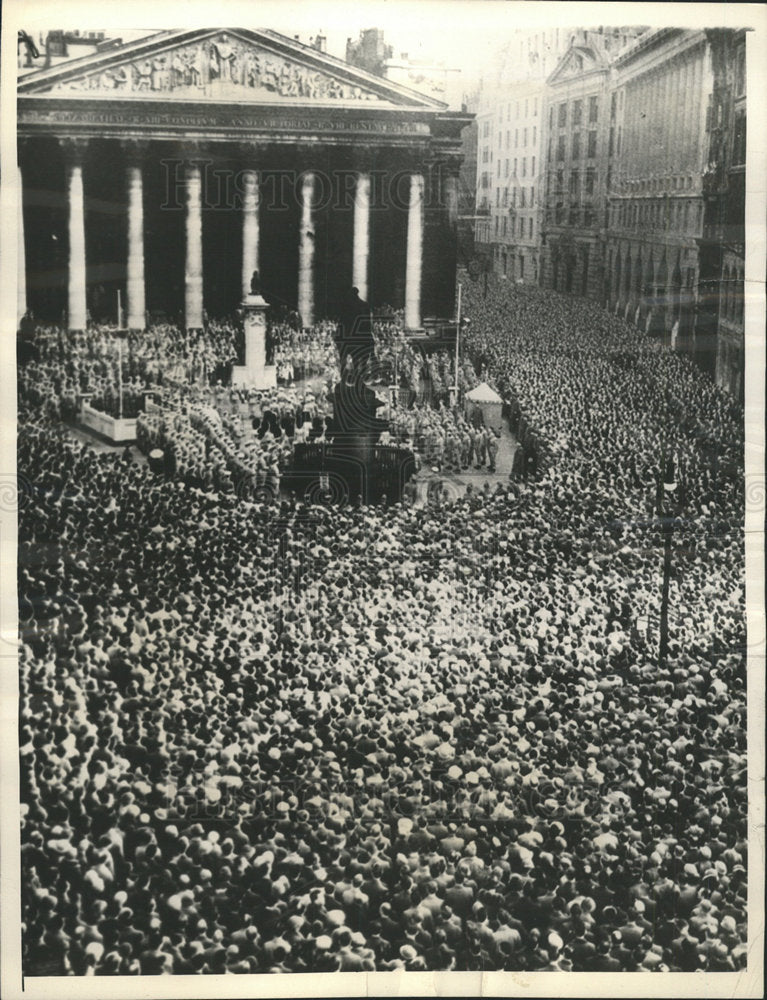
[(219, 68)]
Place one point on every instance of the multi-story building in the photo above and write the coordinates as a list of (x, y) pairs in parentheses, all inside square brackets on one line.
[(509, 169), (675, 193), (724, 186), (578, 158)]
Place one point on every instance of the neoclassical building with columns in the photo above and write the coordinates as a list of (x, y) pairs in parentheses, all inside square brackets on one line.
[(165, 171)]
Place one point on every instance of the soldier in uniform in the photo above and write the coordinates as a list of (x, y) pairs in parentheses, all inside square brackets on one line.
[(492, 448)]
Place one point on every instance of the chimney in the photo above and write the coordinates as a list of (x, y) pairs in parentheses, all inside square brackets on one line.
[(320, 42)]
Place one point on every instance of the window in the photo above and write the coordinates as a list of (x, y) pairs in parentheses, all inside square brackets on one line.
[(505, 197), (515, 167), (497, 197), (739, 139), (524, 166), (524, 137), (535, 134), (573, 215), (508, 139), (577, 112), (618, 141), (504, 225), (526, 106), (593, 110), (532, 196), (590, 177), (535, 107), (551, 117), (559, 214), (576, 145), (496, 225), (613, 107), (560, 181), (611, 142), (562, 115), (522, 198), (516, 109), (561, 147), (530, 228), (498, 171), (506, 169), (532, 167), (574, 184), (592, 151)]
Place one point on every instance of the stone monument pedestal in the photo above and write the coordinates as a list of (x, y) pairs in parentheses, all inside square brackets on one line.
[(255, 373)]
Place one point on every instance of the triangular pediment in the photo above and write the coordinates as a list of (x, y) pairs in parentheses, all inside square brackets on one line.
[(578, 59), (230, 65)]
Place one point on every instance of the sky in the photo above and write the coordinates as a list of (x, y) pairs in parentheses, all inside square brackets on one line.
[(463, 34)]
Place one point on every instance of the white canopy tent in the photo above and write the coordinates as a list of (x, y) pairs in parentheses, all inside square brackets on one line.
[(488, 402)]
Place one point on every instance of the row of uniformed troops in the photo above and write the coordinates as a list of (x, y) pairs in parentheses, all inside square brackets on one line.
[(446, 440)]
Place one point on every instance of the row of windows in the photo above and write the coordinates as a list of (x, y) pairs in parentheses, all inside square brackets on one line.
[(576, 146), (519, 168), (677, 216), (525, 134), (526, 198), (507, 264), (527, 105), (505, 226), (575, 215), (576, 113), (589, 178)]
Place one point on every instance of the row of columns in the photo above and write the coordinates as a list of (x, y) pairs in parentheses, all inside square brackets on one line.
[(193, 271)]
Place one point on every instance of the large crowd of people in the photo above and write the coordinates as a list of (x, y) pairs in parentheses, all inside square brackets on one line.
[(274, 737)]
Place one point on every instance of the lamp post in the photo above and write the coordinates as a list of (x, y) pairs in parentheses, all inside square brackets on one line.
[(667, 527), (457, 338)]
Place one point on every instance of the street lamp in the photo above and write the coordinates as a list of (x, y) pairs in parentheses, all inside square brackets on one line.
[(667, 527)]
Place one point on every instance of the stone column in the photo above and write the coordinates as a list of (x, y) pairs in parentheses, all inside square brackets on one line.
[(414, 253), (74, 151), (450, 189), (306, 251), (21, 281), (250, 230), (193, 271), (361, 235), (135, 284)]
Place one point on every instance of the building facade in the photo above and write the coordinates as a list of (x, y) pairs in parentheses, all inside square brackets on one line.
[(579, 161), (510, 129), (170, 168), (725, 190), (676, 197), (656, 199)]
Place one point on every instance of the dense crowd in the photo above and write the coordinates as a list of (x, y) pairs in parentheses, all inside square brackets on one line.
[(285, 737), (305, 354)]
